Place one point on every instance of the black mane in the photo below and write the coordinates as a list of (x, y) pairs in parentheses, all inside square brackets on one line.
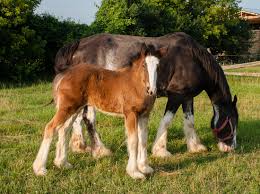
[(64, 56), (211, 66)]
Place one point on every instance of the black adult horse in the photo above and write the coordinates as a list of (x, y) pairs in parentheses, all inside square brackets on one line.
[(183, 73)]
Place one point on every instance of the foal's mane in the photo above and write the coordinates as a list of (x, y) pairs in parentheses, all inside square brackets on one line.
[(148, 49)]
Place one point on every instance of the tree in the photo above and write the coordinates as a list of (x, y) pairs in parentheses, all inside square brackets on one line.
[(30, 42), (115, 16), (21, 50), (55, 33), (214, 23)]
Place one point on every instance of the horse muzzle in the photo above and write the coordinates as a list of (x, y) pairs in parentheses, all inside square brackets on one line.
[(223, 147)]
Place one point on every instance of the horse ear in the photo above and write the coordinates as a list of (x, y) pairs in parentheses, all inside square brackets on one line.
[(143, 49), (235, 100), (163, 51)]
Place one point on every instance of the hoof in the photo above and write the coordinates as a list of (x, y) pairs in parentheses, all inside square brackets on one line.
[(197, 148), (78, 145), (40, 171), (67, 165), (100, 152), (136, 174), (161, 153), (145, 169), (224, 147), (62, 164)]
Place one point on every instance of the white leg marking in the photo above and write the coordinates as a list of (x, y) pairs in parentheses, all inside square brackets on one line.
[(39, 164), (77, 141), (193, 141), (142, 161), (159, 148), (61, 146), (152, 62), (98, 148), (131, 169)]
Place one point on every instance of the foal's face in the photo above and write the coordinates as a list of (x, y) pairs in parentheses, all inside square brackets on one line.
[(152, 63), (151, 60)]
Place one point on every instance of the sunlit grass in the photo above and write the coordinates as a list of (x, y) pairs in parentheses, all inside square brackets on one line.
[(23, 117)]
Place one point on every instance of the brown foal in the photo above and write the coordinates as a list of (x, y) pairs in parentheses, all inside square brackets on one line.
[(129, 92)]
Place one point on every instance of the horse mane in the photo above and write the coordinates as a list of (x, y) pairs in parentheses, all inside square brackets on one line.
[(64, 56), (211, 66), (149, 48)]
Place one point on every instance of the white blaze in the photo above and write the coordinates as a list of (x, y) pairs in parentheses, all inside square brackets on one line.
[(216, 118), (152, 63)]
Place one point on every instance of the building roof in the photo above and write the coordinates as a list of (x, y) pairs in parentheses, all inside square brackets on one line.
[(251, 17), (248, 13)]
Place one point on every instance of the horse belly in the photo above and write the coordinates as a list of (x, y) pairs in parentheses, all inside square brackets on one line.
[(107, 104), (110, 113)]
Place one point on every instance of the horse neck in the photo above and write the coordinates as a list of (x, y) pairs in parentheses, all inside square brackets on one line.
[(220, 99), (138, 73)]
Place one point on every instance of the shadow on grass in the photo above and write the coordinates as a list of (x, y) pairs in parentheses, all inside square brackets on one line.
[(248, 140), (248, 137), (170, 166), (13, 84)]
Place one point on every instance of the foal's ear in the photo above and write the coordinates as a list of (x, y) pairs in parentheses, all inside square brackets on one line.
[(163, 51), (143, 49), (235, 100)]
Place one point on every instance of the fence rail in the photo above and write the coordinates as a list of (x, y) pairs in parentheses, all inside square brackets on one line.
[(243, 65), (234, 59)]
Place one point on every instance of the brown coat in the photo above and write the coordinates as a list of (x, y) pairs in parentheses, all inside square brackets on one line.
[(118, 92)]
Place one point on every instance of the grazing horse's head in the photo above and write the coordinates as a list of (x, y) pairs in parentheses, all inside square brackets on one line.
[(149, 58), (224, 125)]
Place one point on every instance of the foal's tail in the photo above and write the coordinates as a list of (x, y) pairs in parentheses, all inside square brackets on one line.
[(55, 87), (64, 56), (51, 102)]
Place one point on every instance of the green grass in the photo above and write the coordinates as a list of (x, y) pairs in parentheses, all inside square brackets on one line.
[(23, 117), (246, 69)]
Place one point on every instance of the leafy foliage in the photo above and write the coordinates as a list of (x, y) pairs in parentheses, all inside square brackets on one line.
[(21, 50), (214, 23), (29, 42), (56, 33)]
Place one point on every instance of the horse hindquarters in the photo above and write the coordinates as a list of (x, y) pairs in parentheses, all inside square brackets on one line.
[(60, 123)]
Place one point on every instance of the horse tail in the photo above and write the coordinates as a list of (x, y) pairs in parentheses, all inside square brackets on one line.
[(64, 56), (55, 86), (51, 102), (210, 65)]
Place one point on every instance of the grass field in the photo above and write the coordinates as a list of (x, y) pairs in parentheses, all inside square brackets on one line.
[(23, 117)]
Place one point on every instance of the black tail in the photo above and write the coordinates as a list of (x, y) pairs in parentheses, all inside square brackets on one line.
[(211, 66), (64, 56), (51, 102)]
